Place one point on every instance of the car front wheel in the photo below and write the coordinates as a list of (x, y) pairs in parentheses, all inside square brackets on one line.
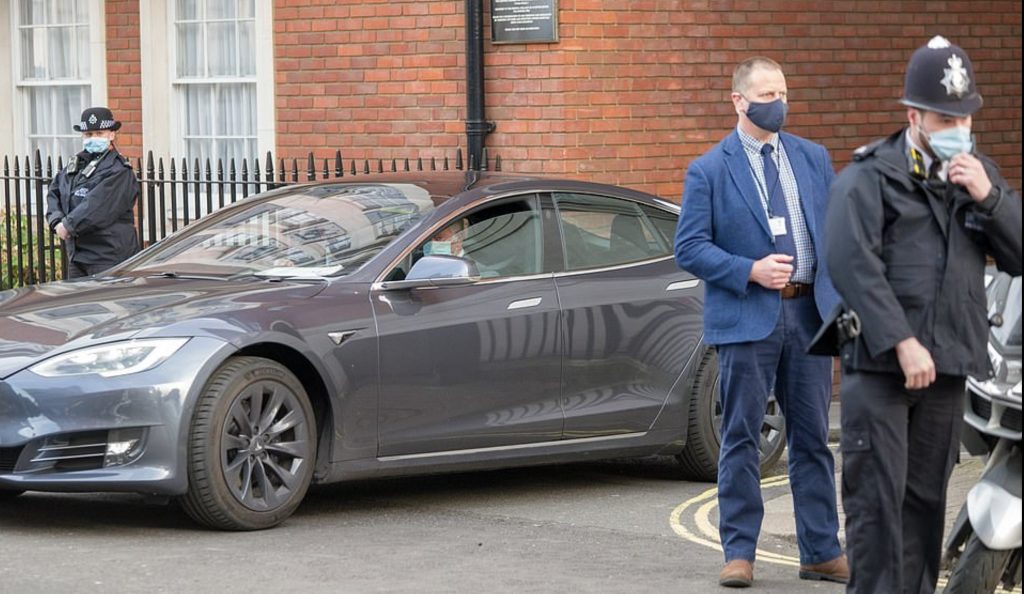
[(251, 446), (699, 458)]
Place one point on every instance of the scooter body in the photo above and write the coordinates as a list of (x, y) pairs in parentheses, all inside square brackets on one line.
[(984, 546)]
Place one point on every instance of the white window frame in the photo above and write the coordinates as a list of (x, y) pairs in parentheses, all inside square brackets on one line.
[(14, 128), (162, 132)]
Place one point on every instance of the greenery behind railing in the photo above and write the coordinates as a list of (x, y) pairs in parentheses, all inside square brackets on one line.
[(16, 240)]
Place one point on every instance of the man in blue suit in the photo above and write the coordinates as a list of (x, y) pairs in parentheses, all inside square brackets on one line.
[(752, 215)]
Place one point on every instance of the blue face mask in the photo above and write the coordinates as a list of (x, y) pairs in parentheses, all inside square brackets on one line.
[(949, 142), (437, 248), (96, 144), (767, 116)]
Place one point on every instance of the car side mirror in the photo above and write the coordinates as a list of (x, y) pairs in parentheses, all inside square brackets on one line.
[(437, 271)]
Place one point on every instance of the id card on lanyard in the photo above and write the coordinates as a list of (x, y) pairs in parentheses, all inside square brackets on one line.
[(777, 225)]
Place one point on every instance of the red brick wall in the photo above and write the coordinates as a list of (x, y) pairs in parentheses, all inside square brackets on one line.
[(124, 73), (372, 77), (845, 62), (629, 95)]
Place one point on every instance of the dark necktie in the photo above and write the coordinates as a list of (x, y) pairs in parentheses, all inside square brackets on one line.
[(784, 244)]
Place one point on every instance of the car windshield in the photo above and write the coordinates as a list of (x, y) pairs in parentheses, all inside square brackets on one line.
[(312, 231)]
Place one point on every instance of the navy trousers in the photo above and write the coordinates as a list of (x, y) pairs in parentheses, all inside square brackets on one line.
[(803, 387)]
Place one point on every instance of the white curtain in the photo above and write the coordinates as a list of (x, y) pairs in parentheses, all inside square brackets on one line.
[(53, 80), (215, 84)]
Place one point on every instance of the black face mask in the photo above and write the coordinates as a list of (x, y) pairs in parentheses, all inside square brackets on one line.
[(767, 116)]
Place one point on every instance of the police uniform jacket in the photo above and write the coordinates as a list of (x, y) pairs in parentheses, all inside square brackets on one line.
[(93, 196), (907, 254)]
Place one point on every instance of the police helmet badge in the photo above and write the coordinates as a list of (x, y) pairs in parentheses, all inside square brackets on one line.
[(955, 80)]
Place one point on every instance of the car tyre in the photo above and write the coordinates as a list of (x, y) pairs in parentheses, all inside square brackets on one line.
[(699, 458), (251, 446)]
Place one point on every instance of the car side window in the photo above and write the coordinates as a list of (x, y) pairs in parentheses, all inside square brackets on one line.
[(664, 221), (599, 231), (502, 239)]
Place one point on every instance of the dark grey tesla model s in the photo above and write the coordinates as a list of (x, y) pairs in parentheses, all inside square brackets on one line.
[(391, 325)]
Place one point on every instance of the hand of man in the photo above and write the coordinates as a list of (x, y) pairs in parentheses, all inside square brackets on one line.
[(916, 363), (966, 170), (772, 271), (62, 231)]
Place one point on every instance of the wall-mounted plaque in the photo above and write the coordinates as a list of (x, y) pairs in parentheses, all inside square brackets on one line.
[(524, 21)]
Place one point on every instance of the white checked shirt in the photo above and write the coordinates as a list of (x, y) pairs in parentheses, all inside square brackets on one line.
[(806, 260)]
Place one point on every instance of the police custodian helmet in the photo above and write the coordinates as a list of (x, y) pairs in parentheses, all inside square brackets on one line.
[(940, 78)]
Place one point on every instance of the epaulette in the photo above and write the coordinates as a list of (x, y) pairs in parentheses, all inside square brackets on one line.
[(865, 151), (917, 164)]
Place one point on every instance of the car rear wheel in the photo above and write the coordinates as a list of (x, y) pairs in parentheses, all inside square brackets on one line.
[(251, 447), (699, 458)]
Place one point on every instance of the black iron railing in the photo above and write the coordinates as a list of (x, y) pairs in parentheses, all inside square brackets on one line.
[(172, 194)]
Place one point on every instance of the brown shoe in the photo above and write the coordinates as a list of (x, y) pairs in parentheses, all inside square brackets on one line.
[(738, 573), (836, 570)]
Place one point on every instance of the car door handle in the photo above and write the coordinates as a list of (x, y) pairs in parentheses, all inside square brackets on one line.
[(524, 303), (686, 284)]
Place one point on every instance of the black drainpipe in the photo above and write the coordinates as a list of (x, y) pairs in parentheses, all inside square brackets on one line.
[(476, 126)]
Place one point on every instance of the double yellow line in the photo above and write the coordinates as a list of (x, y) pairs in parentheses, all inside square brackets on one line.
[(706, 503)]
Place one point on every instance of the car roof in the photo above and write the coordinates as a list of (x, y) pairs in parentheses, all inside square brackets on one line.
[(443, 185)]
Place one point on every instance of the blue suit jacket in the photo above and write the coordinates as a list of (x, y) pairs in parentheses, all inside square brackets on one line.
[(723, 229)]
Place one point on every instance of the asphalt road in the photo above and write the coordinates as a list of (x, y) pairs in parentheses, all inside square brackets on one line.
[(602, 527)]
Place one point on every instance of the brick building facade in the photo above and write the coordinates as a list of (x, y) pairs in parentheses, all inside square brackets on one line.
[(630, 94)]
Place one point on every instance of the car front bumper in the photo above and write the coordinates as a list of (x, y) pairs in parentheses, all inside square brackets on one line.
[(90, 433)]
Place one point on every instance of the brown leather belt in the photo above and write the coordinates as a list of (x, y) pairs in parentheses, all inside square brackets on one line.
[(793, 290)]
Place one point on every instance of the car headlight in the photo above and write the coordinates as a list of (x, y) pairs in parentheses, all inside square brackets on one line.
[(110, 360), (1016, 390)]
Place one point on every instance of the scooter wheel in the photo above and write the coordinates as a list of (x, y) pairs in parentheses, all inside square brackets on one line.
[(979, 570)]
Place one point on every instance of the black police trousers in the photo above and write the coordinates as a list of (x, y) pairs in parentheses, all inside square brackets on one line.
[(76, 270), (898, 447)]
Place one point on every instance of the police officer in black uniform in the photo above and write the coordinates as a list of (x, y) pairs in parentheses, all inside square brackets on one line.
[(89, 205), (910, 223)]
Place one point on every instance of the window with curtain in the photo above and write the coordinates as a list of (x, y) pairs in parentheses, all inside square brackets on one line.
[(215, 79), (53, 80)]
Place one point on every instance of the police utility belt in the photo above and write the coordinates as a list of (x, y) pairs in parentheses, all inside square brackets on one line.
[(841, 326)]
